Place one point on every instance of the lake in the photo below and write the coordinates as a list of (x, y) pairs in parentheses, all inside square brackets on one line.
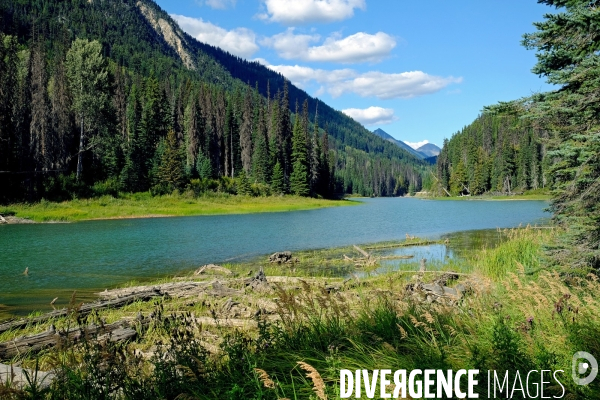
[(94, 255)]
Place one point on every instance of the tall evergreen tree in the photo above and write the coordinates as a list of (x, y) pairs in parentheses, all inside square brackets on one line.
[(299, 177), (567, 51)]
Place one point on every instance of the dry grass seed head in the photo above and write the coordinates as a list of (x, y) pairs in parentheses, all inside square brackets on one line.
[(318, 383), (265, 378), (403, 333)]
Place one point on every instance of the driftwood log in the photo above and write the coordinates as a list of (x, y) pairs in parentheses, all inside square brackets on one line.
[(115, 332), (113, 299), (85, 309)]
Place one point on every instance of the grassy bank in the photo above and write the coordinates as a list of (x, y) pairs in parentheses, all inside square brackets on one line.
[(144, 205), (290, 340), (540, 194)]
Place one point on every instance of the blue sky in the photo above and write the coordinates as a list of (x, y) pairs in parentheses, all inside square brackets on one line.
[(418, 70)]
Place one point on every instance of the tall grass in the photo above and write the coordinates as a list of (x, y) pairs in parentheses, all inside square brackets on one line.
[(523, 252)]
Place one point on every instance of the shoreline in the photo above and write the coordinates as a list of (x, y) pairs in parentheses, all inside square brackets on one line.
[(139, 206)]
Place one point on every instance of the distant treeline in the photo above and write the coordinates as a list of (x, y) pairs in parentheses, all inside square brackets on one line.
[(499, 152)]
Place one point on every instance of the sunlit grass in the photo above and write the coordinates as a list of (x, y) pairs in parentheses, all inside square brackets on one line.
[(145, 205)]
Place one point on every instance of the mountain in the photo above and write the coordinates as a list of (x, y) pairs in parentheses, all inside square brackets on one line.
[(161, 79), (384, 135), (429, 150)]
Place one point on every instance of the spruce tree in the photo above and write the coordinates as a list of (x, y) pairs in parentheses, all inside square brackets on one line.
[(277, 181), (170, 171), (567, 52), (299, 177)]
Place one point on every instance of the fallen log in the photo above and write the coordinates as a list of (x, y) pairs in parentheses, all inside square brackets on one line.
[(361, 251), (212, 268), (83, 310), (115, 332), (113, 299)]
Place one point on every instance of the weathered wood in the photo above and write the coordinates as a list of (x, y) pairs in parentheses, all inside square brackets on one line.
[(361, 251), (19, 378), (118, 331), (257, 281), (83, 310), (212, 268)]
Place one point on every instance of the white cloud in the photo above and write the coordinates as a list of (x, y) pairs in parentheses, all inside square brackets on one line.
[(239, 41), (377, 84), (371, 115), (288, 45), (390, 86), (218, 4), (359, 47), (416, 145), (295, 12)]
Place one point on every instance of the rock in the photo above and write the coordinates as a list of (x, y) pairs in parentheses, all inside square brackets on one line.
[(281, 257), (212, 269)]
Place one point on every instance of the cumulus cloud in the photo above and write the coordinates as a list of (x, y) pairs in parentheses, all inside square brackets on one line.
[(377, 84), (239, 41), (371, 115), (359, 47), (218, 4), (416, 145), (297, 12)]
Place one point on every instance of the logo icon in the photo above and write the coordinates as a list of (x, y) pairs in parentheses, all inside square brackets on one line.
[(584, 363)]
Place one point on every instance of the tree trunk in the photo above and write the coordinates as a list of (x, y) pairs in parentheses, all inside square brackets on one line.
[(79, 155)]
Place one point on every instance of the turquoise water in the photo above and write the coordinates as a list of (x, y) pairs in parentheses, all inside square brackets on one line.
[(94, 255)]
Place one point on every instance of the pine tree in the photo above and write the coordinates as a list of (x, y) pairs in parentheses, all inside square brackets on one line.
[(261, 168), (315, 157), (246, 132), (41, 141), (324, 173), (299, 177), (567, 52), (244, 187), (277, 181), (170, 171)]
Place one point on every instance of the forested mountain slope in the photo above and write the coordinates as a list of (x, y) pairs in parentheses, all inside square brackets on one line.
[(499, 152), (155, 109)]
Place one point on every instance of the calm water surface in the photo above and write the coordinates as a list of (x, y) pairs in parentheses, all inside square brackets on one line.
[(95, 255)]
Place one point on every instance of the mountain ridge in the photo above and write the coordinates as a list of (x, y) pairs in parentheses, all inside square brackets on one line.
[(143, 43)]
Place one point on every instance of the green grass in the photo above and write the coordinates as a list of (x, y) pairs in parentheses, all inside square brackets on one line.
[(144, 205), (538, 195)]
